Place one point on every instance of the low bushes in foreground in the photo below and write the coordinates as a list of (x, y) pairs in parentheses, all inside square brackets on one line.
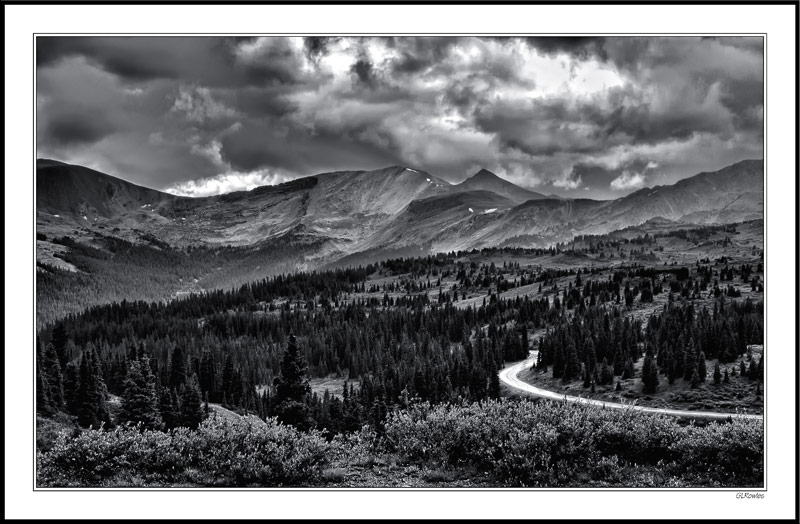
[(221, 452), (526, 443), (510, 443)]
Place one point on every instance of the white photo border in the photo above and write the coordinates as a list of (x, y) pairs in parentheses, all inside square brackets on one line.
[(776, 22)]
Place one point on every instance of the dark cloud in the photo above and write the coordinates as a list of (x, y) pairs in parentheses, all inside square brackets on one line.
[(317, 46), (558, 114), (577, 46), (365, 72), (419, 54), (207, 60), (75, 127)]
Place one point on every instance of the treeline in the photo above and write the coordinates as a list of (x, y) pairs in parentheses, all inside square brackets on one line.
[(596, 345), (414, 348), (680, 334)]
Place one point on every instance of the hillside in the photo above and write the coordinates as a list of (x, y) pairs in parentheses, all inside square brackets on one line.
[(94, 226)]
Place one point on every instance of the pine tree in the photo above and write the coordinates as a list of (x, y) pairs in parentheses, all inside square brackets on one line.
[(695, 380), (558, 362), (718, 374), (689, 362), (606, 377), (191, 410), (43, 406), (140, 402), (701, 366), (671, 369), (727, 377), (72, 387), (587, 377), (59, 341), (291, 387), (494, 383), (649, 374), (628, 372), (752, 371), (92, 409), (177, 371), (208, 375), (760, 369), (170, 414), (54, 378), (572, 366)]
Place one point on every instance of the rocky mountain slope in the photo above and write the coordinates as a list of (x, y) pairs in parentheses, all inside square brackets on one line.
[(349, 212)]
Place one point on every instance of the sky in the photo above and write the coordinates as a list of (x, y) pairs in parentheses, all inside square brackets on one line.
[(582, 117)]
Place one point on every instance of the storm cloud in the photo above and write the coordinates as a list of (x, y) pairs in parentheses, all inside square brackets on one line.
[(576, 116)]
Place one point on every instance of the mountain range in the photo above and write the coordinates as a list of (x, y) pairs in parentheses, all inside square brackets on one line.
[(345, 213)]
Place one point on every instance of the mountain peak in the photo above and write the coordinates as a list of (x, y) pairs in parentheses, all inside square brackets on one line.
[(485, 180), (483, 173)]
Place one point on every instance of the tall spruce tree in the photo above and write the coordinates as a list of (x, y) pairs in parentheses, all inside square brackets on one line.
[(701, 366), (649, 374), (59, 340), (191, 409), (140, 402), (170, 413), (92, 409), (43, 406), (177, 371), (72, 387), (54, 377), (292, 388)]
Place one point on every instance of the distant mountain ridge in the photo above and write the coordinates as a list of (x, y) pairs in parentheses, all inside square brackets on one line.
[(396, 208)]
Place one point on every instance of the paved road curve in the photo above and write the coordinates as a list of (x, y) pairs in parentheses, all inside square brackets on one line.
[(509, 377)]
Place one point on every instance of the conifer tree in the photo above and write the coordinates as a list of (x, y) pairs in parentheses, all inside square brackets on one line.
[(92, 408), (71, 387), (177, 371), (291, 387), (43, 406), (649, 374), (494, 382), (628, 372), (170, 415), (59, 342), (752, 371), (208, 375), (53, 378), (191, 409), (701, 366), (140, 402), (606, 377), (689, 362), (695, 380), (718, 374)]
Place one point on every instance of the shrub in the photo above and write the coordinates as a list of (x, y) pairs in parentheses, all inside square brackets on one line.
[(221, 452), (549, 443), (731, 452)]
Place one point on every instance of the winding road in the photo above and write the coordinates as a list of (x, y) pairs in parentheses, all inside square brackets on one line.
[(509, 377)]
